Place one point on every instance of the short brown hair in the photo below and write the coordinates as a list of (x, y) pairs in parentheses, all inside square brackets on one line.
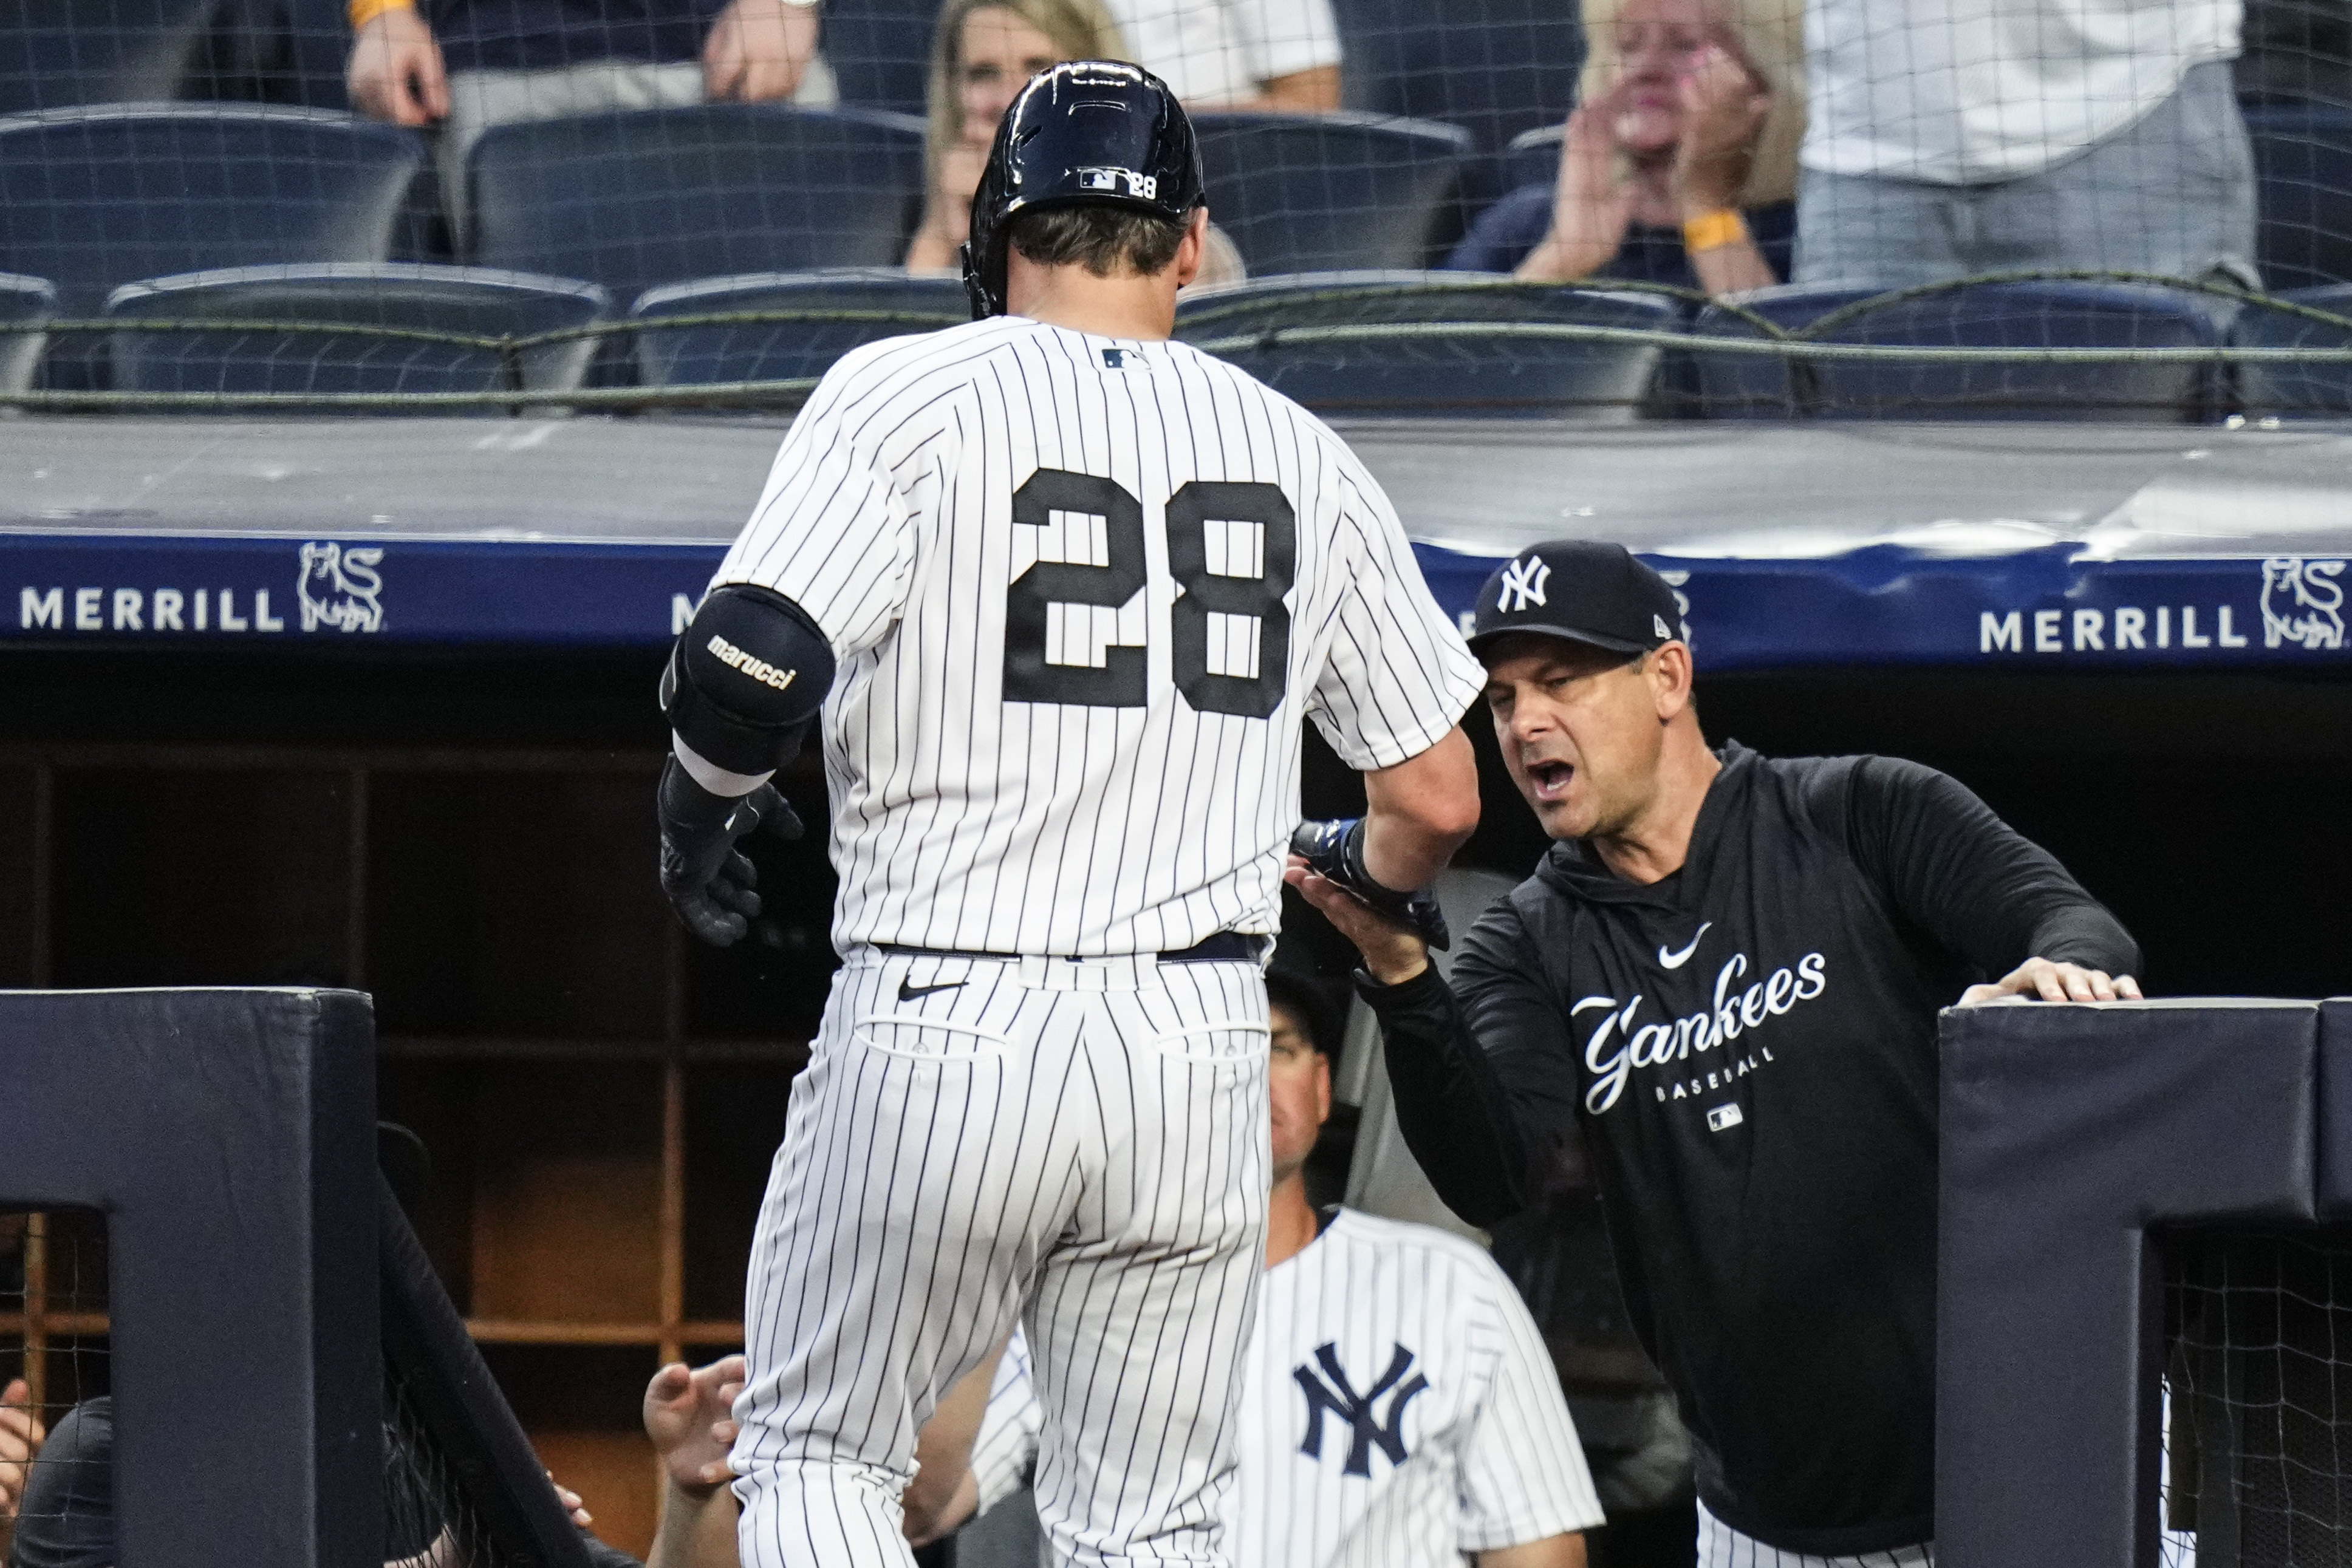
[(1106, 241)]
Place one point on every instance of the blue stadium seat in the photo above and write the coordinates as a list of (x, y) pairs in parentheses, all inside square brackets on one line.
[(59, 54), (25, 303), (472, 301), (1434, 369), (1496, 67), (2288, 389), (1735, 385), (1316, 192), (93, 199), (880, 51), (2303, 162), (843, 308), (634, 201), (1532, 158), (2054, 314)]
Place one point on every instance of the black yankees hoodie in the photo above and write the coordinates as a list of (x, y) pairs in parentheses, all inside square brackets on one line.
[(1749, 1045)]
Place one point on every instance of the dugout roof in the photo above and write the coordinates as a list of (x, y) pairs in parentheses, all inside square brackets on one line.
[(2047, 546)]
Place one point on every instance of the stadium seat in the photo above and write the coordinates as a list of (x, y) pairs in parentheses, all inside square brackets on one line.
[(637, 200), (2288, 388), (2053, 314), (399, 295), (93, 199), (880, 51), (1496, 67), (1532, 158), (59, 54), (1316, 192), (841, 309), (2303, 163), (1417, 364), (25, 303), (1736, 385)]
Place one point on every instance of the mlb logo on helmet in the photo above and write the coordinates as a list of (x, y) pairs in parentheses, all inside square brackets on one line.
[(1120, 181)]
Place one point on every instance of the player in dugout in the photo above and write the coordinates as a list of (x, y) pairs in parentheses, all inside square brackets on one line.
[(1727, 969), (1397, 1409)]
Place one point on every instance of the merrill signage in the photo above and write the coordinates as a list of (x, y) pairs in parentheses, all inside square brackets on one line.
[(334, 587), (1876, 605), (2299, 603), (132, 587)]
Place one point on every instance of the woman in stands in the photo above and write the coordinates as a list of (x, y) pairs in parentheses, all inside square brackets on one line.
[(982, 53), (1679, 164)]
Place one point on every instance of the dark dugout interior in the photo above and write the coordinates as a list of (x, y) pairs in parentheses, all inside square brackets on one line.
[(2212, 812)]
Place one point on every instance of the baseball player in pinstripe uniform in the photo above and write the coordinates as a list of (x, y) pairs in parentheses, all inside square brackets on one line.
[(1059, 592), (1399, 1409)]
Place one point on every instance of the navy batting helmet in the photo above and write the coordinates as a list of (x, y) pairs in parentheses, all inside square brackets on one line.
[(1084, 133)]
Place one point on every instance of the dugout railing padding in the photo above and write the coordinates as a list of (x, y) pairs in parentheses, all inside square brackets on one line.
[(229, 1138), (2070, 1137)]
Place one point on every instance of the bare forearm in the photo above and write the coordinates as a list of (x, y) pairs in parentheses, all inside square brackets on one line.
[(1311, 91), (1564, 258), (1552, 1552), (1732, 268), (696, 1531), (1419, 812)]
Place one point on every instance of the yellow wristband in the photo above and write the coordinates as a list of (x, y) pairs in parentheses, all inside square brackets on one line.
[(1709, 231), (362, 12)]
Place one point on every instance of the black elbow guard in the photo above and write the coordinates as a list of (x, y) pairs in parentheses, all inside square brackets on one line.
[(744, 683)]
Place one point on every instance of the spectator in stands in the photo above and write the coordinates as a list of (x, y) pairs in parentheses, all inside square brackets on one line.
[(1973, 136), (1281, 55), (982, 53), (1679, 162), (480, 63)]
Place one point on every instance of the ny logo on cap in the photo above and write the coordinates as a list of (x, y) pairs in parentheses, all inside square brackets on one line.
[(1523, 581), (1659, 623)]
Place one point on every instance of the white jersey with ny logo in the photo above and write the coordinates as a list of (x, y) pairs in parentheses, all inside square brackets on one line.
[(1397, 1410), (1082, 592)]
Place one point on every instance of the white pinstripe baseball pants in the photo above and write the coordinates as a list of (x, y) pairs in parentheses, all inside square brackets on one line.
[(1081, 1144), (1720, 1546)]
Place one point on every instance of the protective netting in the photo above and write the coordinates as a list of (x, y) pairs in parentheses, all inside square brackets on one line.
[(2258, 1437), (2126, 209), (53, 1365), (431, 1515), (450, 1485)]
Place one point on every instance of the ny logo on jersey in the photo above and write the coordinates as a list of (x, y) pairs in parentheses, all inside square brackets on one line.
[(1523, 581), (1332, 1393)]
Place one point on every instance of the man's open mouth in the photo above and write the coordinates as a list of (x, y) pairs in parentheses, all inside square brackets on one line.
[(1549, 778)]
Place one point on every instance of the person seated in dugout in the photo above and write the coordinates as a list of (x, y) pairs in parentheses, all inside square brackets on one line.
[(61, 1492), (982, 53), (1679, 163)]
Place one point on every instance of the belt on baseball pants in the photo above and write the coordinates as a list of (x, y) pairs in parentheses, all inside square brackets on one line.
[(1225, 947)]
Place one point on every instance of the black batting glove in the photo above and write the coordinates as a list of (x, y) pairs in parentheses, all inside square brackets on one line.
[(1334, 850), (708, 879)]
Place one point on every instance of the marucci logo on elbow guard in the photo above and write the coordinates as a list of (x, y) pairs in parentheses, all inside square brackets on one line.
[(760, 670), (1677, 1040)]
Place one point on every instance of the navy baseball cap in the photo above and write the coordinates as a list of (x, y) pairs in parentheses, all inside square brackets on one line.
[(1583, 590)]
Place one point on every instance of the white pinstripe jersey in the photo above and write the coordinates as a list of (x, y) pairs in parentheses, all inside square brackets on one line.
[(1081, 592), (1397, 1410)]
